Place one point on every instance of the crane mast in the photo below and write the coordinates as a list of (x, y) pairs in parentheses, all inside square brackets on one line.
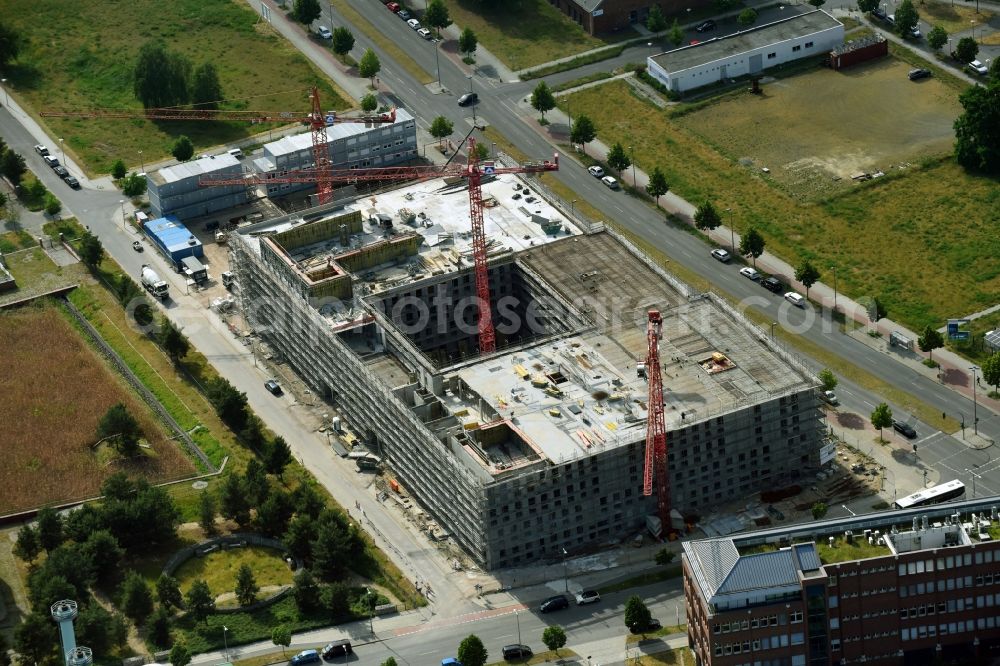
[(656, 429)]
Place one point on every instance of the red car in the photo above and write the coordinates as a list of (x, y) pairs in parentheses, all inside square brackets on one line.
[(393, 7)]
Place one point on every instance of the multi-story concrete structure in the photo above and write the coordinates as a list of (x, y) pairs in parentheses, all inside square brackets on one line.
[(175, 190), (919, 586), (538, 446), (810, 35), (351, 146)]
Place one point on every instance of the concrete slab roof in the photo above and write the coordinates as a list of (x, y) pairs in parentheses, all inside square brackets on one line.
[(696, 55), (303, 141)]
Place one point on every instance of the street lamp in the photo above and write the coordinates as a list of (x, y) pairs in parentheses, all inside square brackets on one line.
[(437, 64), (142, 165), (732, 233), (3, 83), (974, 477), (121, 202), (773, 324), (473, 102), (565, 574), (631, 159), (225, 640), (975, 417), (572, 209), (517, 618), (62, 151), (371, 614)]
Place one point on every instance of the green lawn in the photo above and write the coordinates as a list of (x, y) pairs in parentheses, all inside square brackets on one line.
[(841, 551), (83, 58), (952, 17), (219, 569)]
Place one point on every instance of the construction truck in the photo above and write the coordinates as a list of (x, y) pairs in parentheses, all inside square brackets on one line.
[(152, 283)]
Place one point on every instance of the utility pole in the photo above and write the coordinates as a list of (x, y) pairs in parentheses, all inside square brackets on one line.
[(975, 411)]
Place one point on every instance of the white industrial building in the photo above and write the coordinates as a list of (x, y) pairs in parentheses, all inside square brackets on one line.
[(750, 52), (175, 190)]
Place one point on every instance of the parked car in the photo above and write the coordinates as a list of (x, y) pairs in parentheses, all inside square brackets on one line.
[(749, 272), (414, 23), (652, 625), (137, 246), (977, 67), (72, 182), (772, 284), (904, 429), (915, 32), (468, 99), (340, 648), (516, 652), (273, 386), (705, 26), (425, 33), (795, 299), (450, 661), (587, 597), (610, 182), (829, 397), (721, 255), (596, 171), (60, 171), (555, 603), (878, 13), (403, 14), (51, 160), (393, 7), (775, 512), (917, 74), (323, 32), (305, 657), (41, 150)]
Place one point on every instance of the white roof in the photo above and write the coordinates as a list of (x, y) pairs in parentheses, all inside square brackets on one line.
[(303, 141), (205, 165)]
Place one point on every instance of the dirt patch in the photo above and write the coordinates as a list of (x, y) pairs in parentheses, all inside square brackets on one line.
[(850, 420)]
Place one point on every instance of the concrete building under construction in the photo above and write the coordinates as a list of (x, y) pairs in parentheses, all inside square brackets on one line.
[(537, 447)]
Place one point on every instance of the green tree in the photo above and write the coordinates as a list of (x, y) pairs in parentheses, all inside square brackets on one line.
[(819, 510), (66, 561), (246, 586), (583, 131), (159, 627), (180, 655), (168, 591), (369, 66), (46, 587), (828, 380), (306, 591), (937, 37), (748, 16), (134, 185), (343, 41), (230, 404), (137, 600), (93, 628), (35, 639), (331, 548), (4, 654), (172, 340), (664, 556), (278, 457), (391, 661), (281, 635), (878, 308), (472, 652), (977, 130), (991, 371), (817, 3), (369, 103), (441, 128), (52, 205), (617, 158), (102, 552), (13, 166), (206, 91), (118, 170), (467, 42), (656, 21), (50, 529), (233, 501), (121, 428), (906, 18), (299, 536), (10, 45), (206, 512), (253, 435), (436, 16), (867, 6), (307, 500), (807, 274), (881, 417), (183, 149), (676, 34), (542, 99), (28, 546), (140, 516), (554, 638), (657, 185), (752, 244), (706, 217), (967, 49), (636, 613), (255, 483), (200, 601), (336, 599), (305, 12), (160, 77), (994, 72), (726, 5), (274, 513), (930, 340)]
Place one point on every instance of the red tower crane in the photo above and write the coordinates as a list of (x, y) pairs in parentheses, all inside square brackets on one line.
[(316, 118), (656, 427), (474, 170)]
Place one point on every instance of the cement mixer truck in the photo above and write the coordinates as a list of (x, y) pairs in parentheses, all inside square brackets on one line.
[(153, 284)]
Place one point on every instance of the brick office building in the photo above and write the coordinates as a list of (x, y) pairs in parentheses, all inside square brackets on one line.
[(870, 590)]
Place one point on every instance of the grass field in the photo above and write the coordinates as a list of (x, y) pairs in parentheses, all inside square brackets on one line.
[(83, 58), (69, 390), (526, 34), (882, 238), (952, 17), (219, 569)]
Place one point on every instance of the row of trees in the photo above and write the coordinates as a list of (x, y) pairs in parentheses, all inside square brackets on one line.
[(163, 78)]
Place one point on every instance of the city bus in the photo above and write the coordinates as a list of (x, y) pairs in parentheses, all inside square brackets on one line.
[(939, 493)]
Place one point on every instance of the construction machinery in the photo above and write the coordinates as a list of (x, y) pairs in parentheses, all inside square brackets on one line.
[(656, 427)]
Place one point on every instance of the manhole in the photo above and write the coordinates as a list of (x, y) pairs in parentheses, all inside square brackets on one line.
[(199, 485)]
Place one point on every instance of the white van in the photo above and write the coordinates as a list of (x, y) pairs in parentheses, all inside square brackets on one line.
[(236, 152), (610, 182)]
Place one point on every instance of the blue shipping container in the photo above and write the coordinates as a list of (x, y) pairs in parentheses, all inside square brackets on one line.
[(173, 239)]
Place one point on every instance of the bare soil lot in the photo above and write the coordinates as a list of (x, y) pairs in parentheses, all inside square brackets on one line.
[(815, 128), (55, 390)]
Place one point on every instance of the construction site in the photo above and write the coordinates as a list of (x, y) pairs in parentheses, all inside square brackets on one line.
[(530, 443)]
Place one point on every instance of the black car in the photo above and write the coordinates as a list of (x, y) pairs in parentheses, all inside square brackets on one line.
[(653, 625), (72, 182), (273, 387), (772, 284), (705, 26), (879, 14), (916, 74), (555, 603), (60, 171), (468, 99), (340, 648), (904, 428), (516, 651)]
